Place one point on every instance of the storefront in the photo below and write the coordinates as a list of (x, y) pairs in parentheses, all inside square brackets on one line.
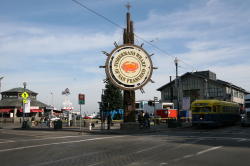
[(11, 106)]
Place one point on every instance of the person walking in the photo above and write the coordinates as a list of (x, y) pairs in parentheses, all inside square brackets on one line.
[(146, 120), (109, 120), (141, 119)]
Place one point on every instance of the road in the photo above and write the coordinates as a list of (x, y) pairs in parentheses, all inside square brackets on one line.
[(176, 147)]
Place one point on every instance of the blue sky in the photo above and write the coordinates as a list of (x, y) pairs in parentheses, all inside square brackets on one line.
[(56, 44)]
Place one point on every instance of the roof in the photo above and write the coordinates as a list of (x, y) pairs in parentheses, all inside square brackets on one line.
[(203, 77), (18, 103), (20, 90)]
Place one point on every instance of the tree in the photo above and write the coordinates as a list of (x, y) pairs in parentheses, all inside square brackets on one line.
[(112, 98)]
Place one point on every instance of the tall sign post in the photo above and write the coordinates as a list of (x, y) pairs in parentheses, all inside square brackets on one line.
[(81, 101), (129, 95), (25, 96), (128, 67)]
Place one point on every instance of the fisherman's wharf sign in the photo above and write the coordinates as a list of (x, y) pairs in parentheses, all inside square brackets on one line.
[(129, 67)]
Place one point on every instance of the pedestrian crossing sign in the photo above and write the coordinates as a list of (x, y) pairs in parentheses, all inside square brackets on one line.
[(25, 101), (25, 95)]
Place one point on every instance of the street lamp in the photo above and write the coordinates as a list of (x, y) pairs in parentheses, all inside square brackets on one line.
[(176, 60), (0, 84), (52, 99), (155, 99)]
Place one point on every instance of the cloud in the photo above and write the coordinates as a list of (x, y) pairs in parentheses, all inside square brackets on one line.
[(42, 42), (214, 36), (236, 74)]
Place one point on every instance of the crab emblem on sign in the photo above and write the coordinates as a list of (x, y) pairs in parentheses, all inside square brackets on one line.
[(129, 67)]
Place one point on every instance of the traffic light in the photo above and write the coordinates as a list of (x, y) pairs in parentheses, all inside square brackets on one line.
[(81, 98)]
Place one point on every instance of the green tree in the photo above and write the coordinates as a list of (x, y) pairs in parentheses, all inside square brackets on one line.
[(112, 98)]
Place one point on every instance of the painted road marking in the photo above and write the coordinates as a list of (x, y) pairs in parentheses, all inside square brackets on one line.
[(6, 142), (243, 140), (57, 143), (196, 154), (208, 150)]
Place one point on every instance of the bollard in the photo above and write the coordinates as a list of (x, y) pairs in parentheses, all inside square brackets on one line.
[(90, 127)]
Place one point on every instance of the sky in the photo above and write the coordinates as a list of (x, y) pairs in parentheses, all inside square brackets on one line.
[(57, 44)]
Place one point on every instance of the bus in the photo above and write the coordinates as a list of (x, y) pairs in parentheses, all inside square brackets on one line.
[(214, 113), (245, 119)]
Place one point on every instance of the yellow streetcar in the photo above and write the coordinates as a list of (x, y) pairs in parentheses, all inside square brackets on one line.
[(214, 113)]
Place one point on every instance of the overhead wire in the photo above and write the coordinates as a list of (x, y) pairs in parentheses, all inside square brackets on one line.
[(117, 25)]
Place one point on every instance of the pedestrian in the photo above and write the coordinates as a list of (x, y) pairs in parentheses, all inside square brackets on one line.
[(146, 120), (109, 120), (140, 119)]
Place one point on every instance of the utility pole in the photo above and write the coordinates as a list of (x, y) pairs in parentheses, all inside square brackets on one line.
[(177, 86), (102, 113), (155, 99), (1, 98), (0, 85), (206, 89)]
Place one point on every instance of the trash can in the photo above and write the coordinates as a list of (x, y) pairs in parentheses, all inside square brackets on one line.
[(25, 125), (58, 124)]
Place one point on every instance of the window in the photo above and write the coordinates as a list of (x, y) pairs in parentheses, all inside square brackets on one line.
[(247, 105), (137, 105), (202, 109), (214, 108), (235, 93), (215, 92)]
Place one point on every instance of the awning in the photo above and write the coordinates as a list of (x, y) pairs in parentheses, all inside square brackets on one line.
[(36, 110), (5, 110), (33, 110)]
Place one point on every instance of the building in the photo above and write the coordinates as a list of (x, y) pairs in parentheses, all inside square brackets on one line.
[(11, 105), (200, 85)]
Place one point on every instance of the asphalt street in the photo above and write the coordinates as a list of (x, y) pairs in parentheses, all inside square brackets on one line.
[(181, 147)]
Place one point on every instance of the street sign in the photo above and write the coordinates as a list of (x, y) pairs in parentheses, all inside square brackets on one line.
[(25, 101), (27, 106), (129, 67), (25, 95), (81, 98)]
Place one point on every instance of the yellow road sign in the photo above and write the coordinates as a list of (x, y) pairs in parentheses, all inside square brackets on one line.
[(25, 95), (25, 101)]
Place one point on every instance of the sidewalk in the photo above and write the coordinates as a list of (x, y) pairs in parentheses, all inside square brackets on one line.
[(115, 129)]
